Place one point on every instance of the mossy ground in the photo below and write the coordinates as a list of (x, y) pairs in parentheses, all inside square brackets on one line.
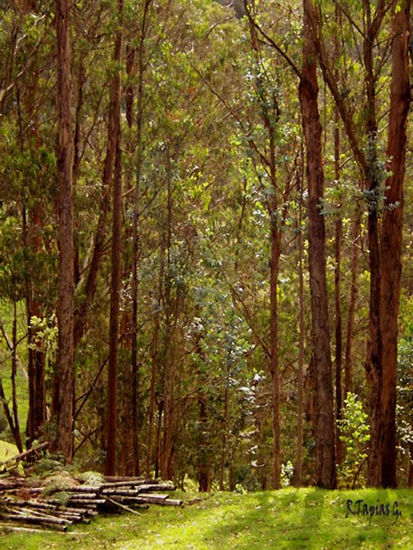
[(295, 519)]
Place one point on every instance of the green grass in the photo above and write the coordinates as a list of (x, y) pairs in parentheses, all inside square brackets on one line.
[(295, 519)]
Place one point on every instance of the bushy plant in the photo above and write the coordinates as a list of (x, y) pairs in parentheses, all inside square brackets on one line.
[(354, 433), (287, 473)]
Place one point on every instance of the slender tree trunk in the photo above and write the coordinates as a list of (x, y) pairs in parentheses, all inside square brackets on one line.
[(300, 374), (224, 436), (374, 353), (135, 230), (348, 364), (169, 362), (112, 383), (101, 231), (36, 355), (63, 383), (391, 236), (76, 155), (204, 468), (324, 422), (32, 226), (130, 417), (13, 381), (154, 364), (8, 414), (337, 297), (275, 382)]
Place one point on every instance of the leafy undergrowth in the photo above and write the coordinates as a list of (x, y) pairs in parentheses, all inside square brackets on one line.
[(290, 518)]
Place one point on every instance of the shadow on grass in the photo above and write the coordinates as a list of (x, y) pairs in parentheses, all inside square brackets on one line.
[(309, 519), (272, 520)]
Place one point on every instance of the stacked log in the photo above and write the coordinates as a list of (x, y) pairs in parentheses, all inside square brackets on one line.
[(24, 501)]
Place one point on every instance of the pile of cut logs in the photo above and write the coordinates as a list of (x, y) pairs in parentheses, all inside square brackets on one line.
[(23, 501)]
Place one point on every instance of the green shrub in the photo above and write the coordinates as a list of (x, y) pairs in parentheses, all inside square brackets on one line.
[(354, 433)]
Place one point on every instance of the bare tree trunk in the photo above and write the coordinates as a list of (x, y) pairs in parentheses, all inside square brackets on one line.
[(275, 381), (169, 362), (32, 226), (300, 374), (13, 381), (337, 297), (348, 364), (63, 383), (374, 352), (391, 237), (36, 355), (135, 230), (81, 312), (224, 436), (112, 383), (324, 422), (154, 365)]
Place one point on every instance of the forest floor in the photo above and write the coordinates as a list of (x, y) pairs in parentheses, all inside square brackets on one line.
[(290, 518)]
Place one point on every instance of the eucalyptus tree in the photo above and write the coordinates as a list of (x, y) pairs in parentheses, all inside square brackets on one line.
[(372, 45), (62, 408)]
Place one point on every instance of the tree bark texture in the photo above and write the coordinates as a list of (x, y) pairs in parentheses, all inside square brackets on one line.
[(112, 382), (391, 237), (348, 363), (324, 418), (301, 324), (63, 383)]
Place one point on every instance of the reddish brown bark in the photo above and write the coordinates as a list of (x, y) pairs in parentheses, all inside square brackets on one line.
[(135, 230), (391, 237), (324, 418), (274, 359), (348, 363), (300, 373), (169, 367), (112, 383), (154, 367), (36, 356), (63, 383), (338, 236)]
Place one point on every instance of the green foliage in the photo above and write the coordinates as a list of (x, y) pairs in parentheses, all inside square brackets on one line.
[(354, 433), (287, 474), (91, 478), (58, 482), (45, 467)]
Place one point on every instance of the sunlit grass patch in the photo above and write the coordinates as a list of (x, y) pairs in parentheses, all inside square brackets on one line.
[(286, 519)]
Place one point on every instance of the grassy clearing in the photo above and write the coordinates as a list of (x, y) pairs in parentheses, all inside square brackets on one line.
[(294, 519)]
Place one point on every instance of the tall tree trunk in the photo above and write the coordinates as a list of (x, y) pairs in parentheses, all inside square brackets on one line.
[(169, 355), (391, 237), (275, 380), (338, 236), (324, 420), (301, 305), (112, 382), (81, 312), (36, 354), (154, 364), (13, 381), (135, 229), (63, 383), (31, 229), (348, 363), (374, 353)]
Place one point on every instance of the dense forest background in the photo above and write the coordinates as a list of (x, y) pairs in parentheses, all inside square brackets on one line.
[(203, 220)]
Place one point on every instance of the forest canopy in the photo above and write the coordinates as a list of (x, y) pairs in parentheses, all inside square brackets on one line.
[(206, 239)]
